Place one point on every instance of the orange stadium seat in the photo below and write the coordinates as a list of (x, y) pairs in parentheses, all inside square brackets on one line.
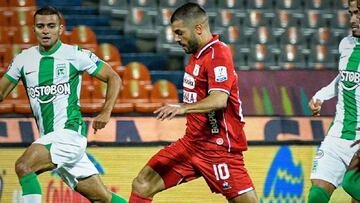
[(23, 3), (110, 54), (137, 71), (290, 57), (4, 20), (24, 37), (98, 98), (21, 101), (137, 94), (22, 17), (87, 104), (164, 92), (85, 37), (4, 41), (87, 78), (65, 37), (11, 52), (261, 57)]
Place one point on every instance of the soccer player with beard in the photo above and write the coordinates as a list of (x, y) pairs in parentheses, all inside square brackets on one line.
[(335, 153), (214, 140)]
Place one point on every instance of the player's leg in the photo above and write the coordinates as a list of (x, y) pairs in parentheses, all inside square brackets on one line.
[(76, 169), (146, 184), (98, 191), (225, 173), (351, 182), (35, 160), (329, 168), (320, 191), (168, 168)]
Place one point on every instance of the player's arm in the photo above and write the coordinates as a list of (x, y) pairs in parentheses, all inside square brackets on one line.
[(113, 81), (215, 101), (5, 87), (322, 95)]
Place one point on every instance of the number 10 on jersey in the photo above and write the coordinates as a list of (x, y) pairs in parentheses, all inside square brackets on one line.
[(221, 171)]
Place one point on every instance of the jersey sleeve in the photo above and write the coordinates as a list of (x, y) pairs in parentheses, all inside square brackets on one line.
[(328, 91), (221, 73), (89, 62), (14, 70)]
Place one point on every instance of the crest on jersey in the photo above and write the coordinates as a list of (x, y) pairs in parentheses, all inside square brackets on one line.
[(220, 73), (60, 70), (196, 70)]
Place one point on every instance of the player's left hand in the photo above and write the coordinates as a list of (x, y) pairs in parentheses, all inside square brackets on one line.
[(100, 121), (169, 111)]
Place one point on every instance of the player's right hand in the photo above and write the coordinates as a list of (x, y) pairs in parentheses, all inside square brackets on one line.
[(315, 107)]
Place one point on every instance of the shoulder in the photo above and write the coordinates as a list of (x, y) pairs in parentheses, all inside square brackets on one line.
[(220, 50), (26, 54), (346, 42)]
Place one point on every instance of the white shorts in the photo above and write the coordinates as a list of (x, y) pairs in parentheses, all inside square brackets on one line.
[(68, 153), (332, 159)]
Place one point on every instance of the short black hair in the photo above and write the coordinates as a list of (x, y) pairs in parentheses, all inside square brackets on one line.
[(188, 11), (48, 10)]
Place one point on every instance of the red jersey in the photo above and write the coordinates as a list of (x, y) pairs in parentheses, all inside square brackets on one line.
[(212, 68)]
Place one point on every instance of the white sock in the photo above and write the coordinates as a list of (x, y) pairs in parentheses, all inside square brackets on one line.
[(33, 198)]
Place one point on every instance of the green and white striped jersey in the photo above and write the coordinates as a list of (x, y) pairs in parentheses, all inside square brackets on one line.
[(346, 122), (53, 81)]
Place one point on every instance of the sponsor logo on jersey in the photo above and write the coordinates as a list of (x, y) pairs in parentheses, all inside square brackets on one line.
[(27, 73), (349, 80), (189, 81), (285, 179), (189, 97), (38, 92), (213, 122), (60, 70), (196, 70), (220, 73)]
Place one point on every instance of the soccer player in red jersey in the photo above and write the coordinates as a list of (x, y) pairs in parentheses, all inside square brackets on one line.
[(214, 139)]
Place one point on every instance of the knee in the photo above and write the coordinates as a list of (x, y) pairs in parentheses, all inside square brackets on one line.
[(22, 168), (104, 197), (141, 185)]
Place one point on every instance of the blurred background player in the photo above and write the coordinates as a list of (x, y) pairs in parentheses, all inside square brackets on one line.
[(214, 140), (335, 153), (51, 73)]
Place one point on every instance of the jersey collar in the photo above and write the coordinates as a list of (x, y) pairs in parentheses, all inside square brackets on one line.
[(214, 40), (53, 50)]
